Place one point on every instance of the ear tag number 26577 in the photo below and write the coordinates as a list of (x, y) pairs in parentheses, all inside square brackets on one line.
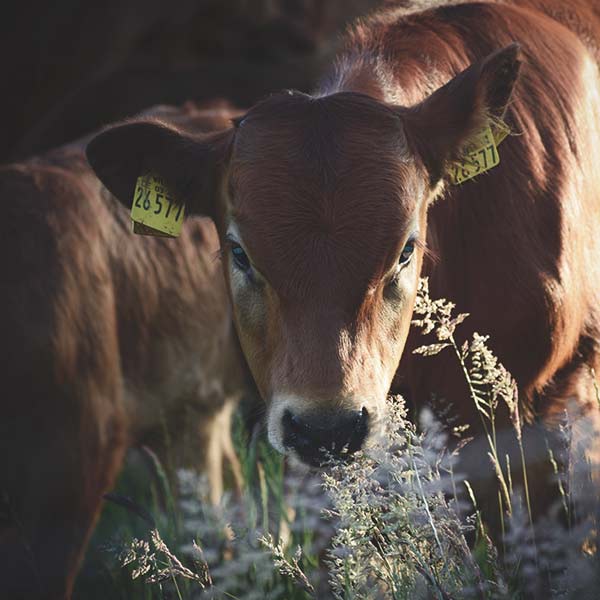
[(153, 211), (481, 154)]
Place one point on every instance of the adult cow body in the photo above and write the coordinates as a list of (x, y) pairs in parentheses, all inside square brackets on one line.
[(327, 201), (106, 337)]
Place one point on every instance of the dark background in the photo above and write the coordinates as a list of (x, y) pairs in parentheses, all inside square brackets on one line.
[(72, 66)]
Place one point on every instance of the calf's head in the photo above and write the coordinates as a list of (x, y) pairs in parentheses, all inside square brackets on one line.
[(321, 206)]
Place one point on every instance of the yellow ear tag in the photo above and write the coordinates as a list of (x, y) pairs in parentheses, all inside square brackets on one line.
[(153, 211), (481, 154)]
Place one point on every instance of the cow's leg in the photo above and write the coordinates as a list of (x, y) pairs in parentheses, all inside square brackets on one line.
[(564, 443), (54, 468), (220, 451), (476, 465), (583, 424), (199, 437), (573, 401), (49, 528)]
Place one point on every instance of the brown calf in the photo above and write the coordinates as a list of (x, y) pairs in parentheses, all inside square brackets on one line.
[(105, 336), (326, 202)]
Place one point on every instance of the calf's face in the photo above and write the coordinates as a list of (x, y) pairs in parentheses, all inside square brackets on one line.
[(324, 213), (321, 205)]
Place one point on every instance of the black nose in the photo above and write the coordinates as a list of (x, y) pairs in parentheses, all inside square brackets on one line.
[(316, 439)]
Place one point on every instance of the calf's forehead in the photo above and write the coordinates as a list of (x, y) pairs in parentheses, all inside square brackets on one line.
[(320, 143), (323, 185)]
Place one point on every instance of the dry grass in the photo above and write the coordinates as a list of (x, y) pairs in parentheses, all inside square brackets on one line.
[(397, 522)]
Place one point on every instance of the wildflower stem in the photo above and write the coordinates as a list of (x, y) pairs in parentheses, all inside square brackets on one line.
[(491, 440), (425, 503)]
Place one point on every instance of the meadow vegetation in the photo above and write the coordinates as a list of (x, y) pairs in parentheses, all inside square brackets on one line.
[(397, 522)]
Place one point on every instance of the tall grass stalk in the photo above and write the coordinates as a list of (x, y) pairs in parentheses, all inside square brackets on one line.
[(487, 381)]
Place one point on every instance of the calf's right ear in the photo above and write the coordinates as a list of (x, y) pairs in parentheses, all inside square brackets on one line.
[(190, 165)]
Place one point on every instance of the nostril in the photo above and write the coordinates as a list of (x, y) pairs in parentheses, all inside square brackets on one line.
[(293, 423), (296, 433), (288, 419), (363, 419), (359, 431)]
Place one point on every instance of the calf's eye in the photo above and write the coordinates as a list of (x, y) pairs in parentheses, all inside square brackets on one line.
[(407, 252), (240, 258)]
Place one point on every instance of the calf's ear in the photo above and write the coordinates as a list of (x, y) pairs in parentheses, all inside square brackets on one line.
[(440, 126), (190, 165)]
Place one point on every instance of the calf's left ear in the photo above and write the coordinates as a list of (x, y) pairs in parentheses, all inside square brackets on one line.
[(439, 127), (190, 165)]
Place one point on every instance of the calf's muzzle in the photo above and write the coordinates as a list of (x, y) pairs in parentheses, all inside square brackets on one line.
[(316, 439)]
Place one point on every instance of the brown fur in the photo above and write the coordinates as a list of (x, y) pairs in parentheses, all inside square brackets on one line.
[(323, 192), (106, 338)]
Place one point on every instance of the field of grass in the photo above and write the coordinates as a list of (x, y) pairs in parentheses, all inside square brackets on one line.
[(143, 501), (397, 522)]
